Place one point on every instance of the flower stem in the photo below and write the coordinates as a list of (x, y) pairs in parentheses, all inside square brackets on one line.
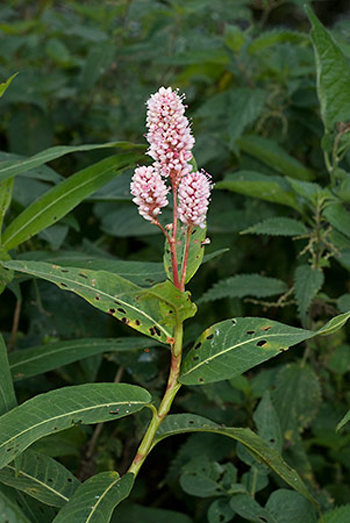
[(173, 245), (172, 389)]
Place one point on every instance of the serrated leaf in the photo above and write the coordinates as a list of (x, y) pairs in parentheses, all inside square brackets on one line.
[(297, 398), (61, 199), (270, 153), (278, 227), (37, 360), (333, 75), (7, 392), (95, 500), (195, 252), (153, 311), (231, 347), (183, 423), (307, 282), (42, 478), (60, 409), (14, 168), (339, 218), (244, 285), (256, 185)]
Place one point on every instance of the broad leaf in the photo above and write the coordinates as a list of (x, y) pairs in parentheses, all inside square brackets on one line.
[(245, 285), (60, 409), (62, 198), (307, 282), (267, 422), (270, 153), (37, 360), (183, 423), (41, 477), (245, 107), (195, 252), (7, 392), (10, 512), (289, 507), (95, 500), (271, 188), (278, 227), (249, 509), (13, 168), (231, 347), (153, 311), (333, 75)]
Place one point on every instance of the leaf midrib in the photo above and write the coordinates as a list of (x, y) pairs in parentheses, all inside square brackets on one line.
[(102, 496)]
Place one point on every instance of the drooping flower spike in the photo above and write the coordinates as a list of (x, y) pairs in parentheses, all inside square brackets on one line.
[(194, 198), (150, 192), (169, 134)]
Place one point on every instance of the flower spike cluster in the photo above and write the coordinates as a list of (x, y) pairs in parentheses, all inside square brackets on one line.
[(194, 194), (150, 192)]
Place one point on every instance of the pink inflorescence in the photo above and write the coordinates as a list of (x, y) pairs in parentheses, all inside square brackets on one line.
[(169, 134), (194, 197), (150, 192)]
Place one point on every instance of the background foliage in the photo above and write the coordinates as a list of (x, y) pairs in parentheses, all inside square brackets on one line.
[(278, 226)]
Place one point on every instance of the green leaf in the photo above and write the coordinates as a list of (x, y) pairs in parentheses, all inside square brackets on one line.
[(290, 507), (183, 423), (62, 198), (10, 511), (220, 512), (270, 153), (339, 218), (231, 347), (271, 188), (333, 75), (245, 107), (244, 285), (308, 282), (130, 513), (195, 252), (152, 311), (95, 500), (276, 36), (267, 422), (343, 421), (60, 409), (338, 515), (249, 509), (7, 392), (278, 227), (6, 188), (5, 85), (6, 276), (14, 168), (41, 477), (37, 360), (297, 398)]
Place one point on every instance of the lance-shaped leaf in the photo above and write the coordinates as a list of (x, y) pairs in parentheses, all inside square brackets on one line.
[(42, 478), (183, 423), (95, 500), (231, 347), (343, 421), (62, 198), (5, 276), (14, 168), (60, 409), (37, 360), (5, 85), (153, 311), (6, 188), (278, 227), (195, 253), (7, 392)]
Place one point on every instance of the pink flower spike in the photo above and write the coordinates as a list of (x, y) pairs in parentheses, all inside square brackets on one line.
[(150, 192), (194, 196), (169, 134)]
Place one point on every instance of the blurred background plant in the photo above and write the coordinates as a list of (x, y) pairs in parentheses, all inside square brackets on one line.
[(248, 70)]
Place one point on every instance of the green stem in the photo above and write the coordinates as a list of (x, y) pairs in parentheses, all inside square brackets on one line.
[(172, 389)]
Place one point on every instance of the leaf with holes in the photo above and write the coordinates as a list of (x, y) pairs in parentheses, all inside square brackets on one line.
[(60, 409), (37, 360), (152, 311), (184, 423), (243, 285), (231, 347), (195, 253), (278, 227), (42, 478), (95, 500), (61, 199), (7, 392)]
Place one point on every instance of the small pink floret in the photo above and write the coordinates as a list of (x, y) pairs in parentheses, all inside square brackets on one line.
[(150, 192), (169, 134), (194, 197)]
